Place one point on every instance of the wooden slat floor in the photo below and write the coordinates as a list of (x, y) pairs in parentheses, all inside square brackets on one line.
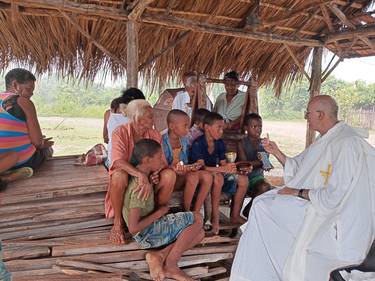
[(52, 227)]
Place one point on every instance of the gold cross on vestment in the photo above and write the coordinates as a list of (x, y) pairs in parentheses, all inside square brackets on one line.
[(326, 174)]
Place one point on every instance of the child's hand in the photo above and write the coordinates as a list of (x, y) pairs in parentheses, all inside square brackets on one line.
[(144, 187), (163, 210), (47, 142), (180, 168), (229, 168), (154, 177), (196, 166)]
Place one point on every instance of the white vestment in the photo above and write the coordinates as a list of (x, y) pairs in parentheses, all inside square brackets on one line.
[(292, 239)]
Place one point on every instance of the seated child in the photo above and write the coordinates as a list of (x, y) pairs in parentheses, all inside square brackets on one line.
[(210, 150), (198, 128), (250, 145), (152, 227), (257, 185), (175, 147)]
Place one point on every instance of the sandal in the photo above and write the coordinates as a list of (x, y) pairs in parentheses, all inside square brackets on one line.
[(207, 226), (17, 174)]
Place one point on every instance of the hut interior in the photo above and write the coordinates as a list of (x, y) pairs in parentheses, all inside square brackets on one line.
[(52, 225)]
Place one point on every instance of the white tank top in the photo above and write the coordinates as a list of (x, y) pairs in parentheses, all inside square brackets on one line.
[(114, 120)]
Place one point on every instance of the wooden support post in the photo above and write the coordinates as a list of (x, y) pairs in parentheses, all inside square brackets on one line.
[(253, 94), (132, 47), (316, 82), (251, 100)]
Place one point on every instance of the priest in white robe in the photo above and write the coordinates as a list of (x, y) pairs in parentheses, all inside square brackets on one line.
[(323, 218)]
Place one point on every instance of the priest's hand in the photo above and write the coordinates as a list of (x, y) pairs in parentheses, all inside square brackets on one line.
[(270, 146), (288, 191)]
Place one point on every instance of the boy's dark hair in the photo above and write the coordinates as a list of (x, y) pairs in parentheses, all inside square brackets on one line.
[(231, 75), (132, 94), (145, 148), (115, 103), (251, 116), (212, 117), (175, 112), (20, 75), (199, 115)]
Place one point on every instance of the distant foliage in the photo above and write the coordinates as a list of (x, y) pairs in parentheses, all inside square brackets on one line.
[(293, 100), (60, 97)]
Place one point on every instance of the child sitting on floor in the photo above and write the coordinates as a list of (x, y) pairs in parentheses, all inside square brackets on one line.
[(175, 147), (198, 128), (152, 227), (210, 150), (250, 146)]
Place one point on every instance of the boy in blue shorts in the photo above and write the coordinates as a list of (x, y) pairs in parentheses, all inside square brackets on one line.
[(210, 150), (152, 227)]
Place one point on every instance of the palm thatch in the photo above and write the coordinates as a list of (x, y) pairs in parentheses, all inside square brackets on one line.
[(268, 39)]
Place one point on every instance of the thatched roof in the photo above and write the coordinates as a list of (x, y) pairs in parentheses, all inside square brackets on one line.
[(270, 39)]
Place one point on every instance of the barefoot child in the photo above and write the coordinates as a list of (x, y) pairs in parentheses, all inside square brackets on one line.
[(210, 150), (175, 147), (152, 227)]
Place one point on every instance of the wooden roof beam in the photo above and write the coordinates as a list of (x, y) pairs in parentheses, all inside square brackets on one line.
[(349, 24), (342, 17), (292, 14), (137, 10), (73, 7), (227, 31), (300, 66), (165, 20)]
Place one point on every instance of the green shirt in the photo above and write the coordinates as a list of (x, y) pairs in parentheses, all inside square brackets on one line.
[(131, 201)]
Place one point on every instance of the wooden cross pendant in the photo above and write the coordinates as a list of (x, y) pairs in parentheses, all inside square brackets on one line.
[(326, 174)]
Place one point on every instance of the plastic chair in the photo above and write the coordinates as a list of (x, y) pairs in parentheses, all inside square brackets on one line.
[(368, 265)]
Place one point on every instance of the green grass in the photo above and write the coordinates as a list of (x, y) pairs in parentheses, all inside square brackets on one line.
[(72, 135)]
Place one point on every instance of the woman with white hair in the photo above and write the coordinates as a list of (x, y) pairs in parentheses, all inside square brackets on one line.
[(140, 126)]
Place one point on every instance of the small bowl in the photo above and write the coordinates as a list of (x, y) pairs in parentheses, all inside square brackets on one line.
[(243, 166)]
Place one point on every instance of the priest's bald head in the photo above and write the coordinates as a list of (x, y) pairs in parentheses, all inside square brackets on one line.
[(322, 113)]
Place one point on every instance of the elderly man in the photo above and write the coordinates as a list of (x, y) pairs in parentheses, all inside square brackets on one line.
[(184, 98), (324, 218), (230, 103)]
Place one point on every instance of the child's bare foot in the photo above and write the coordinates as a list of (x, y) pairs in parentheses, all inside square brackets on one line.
[(175, 273), (215, 227), (117, 234), (237, 220), (155, 264)]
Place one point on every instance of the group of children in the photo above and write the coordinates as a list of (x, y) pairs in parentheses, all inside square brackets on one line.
[(198, 157)]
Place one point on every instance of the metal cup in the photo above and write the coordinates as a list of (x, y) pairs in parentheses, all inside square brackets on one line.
[(231, 157)]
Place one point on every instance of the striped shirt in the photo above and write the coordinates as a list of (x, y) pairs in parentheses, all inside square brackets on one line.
[(14, 134)]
